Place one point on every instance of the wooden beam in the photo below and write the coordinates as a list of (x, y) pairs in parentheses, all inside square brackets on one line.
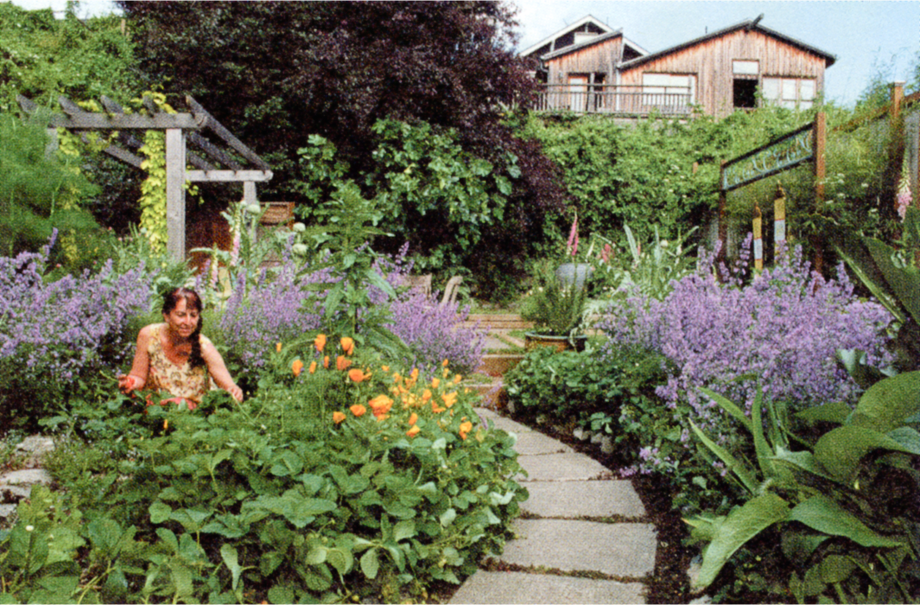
[(175, 193), (124, 155), (209, 121), (129, 121), (197, 161), (213, 152), (238, 176)]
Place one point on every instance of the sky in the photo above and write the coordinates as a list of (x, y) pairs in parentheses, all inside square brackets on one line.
[(868, 37)]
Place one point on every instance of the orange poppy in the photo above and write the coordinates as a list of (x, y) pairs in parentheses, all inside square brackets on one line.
[(412, 432), (312, 367), (348, 345), (326, 362), (465, 428), (341, 363), (435, 383), (381, 404), (278, 347), (338, 417), (320, 342), (296, 367), (413, 419), (426, 395), (449, 399), (358, 410), (357, 375)]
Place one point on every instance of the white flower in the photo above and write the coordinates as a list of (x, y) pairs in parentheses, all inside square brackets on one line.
[(299, 248), (29, 528), (299, 227), (254, 208)]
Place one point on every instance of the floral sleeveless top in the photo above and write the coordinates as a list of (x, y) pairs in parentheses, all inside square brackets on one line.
[(179, 381)]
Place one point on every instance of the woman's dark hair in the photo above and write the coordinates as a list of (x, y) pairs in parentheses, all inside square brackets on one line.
[(170, 300)]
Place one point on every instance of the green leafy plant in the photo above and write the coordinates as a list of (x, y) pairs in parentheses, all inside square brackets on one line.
[(847, 533), (555, 308)]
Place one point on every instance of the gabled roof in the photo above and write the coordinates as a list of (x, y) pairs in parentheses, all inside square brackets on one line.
[(586, 19), (750, 24), (591, 42)]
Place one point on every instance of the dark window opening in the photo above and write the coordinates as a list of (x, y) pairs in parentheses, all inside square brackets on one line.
[(745, 94)]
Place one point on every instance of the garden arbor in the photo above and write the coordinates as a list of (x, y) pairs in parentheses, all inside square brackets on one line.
[(223, 159)]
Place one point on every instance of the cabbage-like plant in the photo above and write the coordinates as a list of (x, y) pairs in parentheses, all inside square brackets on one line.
[(847, 533)]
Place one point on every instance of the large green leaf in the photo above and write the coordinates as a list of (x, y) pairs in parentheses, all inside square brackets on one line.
[(886, 404), (836, 412), (735, 465), (839, 451), (730, 407), (904, 281), (741, 525), (825, 515)]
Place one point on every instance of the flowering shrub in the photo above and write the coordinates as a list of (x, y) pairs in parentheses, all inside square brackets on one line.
[(435, 332), (55, 334), (782, 328)]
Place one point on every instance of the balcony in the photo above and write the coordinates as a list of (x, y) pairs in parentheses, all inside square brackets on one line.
[(615, 99)]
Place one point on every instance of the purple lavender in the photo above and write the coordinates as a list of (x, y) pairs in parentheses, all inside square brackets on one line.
[(781, 328)]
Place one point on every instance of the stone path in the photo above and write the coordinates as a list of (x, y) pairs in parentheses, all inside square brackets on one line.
[(584, 536)]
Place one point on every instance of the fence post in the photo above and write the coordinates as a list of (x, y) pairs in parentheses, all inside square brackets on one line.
[(779, 219), (820, 135), (758, 238)]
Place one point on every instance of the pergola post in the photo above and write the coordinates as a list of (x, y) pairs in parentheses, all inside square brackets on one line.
[(249, 196), (175, 192)]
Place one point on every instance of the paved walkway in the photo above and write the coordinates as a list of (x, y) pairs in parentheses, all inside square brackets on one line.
[(583, 538)]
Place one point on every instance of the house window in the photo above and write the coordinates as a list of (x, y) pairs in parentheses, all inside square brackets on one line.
[(745, 68), (668, 92), (791, 93), (744, 83)]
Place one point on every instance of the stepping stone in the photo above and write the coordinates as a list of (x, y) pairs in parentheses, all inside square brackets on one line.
[(36, 446), (622, 550), (562, 467), (503, 423), (27, 477), (575, 499), (534, 443), (518, 587)]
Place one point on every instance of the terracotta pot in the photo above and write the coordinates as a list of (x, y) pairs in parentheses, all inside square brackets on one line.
[(532, 340)]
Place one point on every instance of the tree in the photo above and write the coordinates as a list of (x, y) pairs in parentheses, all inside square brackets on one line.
[(279, 72)]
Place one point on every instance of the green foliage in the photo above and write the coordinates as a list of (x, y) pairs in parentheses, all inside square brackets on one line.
[(39, 191), (846, 531), (280, 499), (46, 57), (555, 308)]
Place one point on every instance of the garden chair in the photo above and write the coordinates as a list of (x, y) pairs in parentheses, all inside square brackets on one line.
[(419, 282), (450, 289)]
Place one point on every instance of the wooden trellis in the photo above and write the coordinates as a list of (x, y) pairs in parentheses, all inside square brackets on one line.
[(211, 159)]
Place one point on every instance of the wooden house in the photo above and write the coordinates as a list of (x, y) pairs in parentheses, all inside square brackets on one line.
[(738, 67)]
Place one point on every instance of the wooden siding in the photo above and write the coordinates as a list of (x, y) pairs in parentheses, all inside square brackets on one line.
[(597, 58), (712, 60)]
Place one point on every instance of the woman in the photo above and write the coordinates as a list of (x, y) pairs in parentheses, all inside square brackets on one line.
[(174, 356)]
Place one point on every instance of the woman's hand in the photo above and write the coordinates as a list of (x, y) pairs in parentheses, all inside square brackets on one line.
[(236, 392), (126, 384)]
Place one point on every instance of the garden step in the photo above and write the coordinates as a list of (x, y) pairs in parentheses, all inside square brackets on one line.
[(498, 321), (520, 587), (496, 364), (493, 394), (621, 550)]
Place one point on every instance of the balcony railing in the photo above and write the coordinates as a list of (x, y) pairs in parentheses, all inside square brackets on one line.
[(615, 99)]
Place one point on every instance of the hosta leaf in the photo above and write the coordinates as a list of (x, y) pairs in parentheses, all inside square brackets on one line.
[(840, 450), (827, 516), (739, 526), (887, 403), (836, 412)]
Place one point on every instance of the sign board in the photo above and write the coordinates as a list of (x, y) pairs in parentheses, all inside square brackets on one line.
[(786, 152)]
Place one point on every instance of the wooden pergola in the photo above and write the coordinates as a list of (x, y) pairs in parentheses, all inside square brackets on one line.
[(215, 154)]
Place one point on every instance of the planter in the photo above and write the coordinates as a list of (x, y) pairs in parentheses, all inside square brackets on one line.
[(573, 273), (532, 340)]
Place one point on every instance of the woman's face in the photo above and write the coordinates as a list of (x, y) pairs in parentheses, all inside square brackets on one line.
[(183, 319)]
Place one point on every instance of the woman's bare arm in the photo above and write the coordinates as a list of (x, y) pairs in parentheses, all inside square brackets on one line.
[(137, 377), (218, 370)]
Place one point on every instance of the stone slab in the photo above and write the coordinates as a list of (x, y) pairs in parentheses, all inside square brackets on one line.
[(27, 477), (574, 499), (518, 587), (623, 550), (534, 443), (503, 423), (563, 467)]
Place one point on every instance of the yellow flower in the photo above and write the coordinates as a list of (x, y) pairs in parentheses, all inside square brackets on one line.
[(465, 428), (412, 432), (358, 410), (338, 417), (348, 345), (435, 383), (457, 379), (435, 408), (385, 368), (312, 367), (278, 347), (296, 367), (426, 395), (320, 342), (413, 419), (449, 399), (414, 374)]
